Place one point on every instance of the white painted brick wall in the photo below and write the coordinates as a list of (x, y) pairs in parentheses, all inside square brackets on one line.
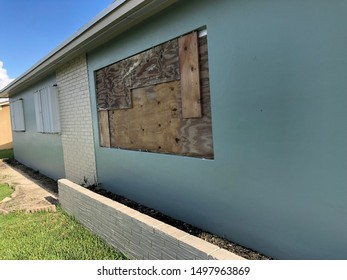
[(76, 121)]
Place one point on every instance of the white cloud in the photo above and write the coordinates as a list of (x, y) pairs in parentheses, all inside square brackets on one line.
[(4, 78)]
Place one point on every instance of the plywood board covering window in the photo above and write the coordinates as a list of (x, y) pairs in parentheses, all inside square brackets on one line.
[(158, 100)]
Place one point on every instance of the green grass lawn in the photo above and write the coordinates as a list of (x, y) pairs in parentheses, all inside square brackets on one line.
[(50, 236), (6, 153), (5, 191)]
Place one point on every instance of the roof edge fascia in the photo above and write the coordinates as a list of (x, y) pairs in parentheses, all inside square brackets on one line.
[(115, 17)]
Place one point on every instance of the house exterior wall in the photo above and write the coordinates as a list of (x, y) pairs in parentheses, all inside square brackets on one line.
[(277, 183), (5, 128), (40, 151), (76, 123)]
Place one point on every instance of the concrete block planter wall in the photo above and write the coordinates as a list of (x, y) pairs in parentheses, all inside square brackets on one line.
[(136, 235)]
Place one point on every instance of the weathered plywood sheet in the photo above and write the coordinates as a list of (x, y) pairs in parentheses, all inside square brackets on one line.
[(111, 89), (152, 124), (196, 134), (104, 130), (156, 65), (190, 75), (155, 122)]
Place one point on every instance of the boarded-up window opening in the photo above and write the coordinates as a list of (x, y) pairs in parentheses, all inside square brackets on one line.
[(158, 100)]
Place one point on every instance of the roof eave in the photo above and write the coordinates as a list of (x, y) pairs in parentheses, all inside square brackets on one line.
[(118, 17)]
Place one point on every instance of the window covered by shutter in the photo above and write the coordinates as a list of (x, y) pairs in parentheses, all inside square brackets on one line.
[(17, 115), (47, 110)]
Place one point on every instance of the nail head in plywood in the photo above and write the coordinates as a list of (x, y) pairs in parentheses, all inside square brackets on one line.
[(104, 129), (190, 77)]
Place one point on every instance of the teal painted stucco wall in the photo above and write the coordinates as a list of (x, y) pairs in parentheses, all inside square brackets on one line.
[(40, 151), (278, 183)]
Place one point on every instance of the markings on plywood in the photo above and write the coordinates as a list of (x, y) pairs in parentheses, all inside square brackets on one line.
[(156, 65), (152, 124), (190, 78), (104, 129), (155, 122)]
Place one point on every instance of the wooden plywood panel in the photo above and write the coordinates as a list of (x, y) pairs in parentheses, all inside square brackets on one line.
[(155, 122), (190, 78), (156, 65), (197, 133), (104, 129), (111, 89), (152, 124)]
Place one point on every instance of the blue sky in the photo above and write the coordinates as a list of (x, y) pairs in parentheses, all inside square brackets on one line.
[(30, 29)]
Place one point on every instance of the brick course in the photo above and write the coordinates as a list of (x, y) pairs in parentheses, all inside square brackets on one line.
[(76, 121)]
